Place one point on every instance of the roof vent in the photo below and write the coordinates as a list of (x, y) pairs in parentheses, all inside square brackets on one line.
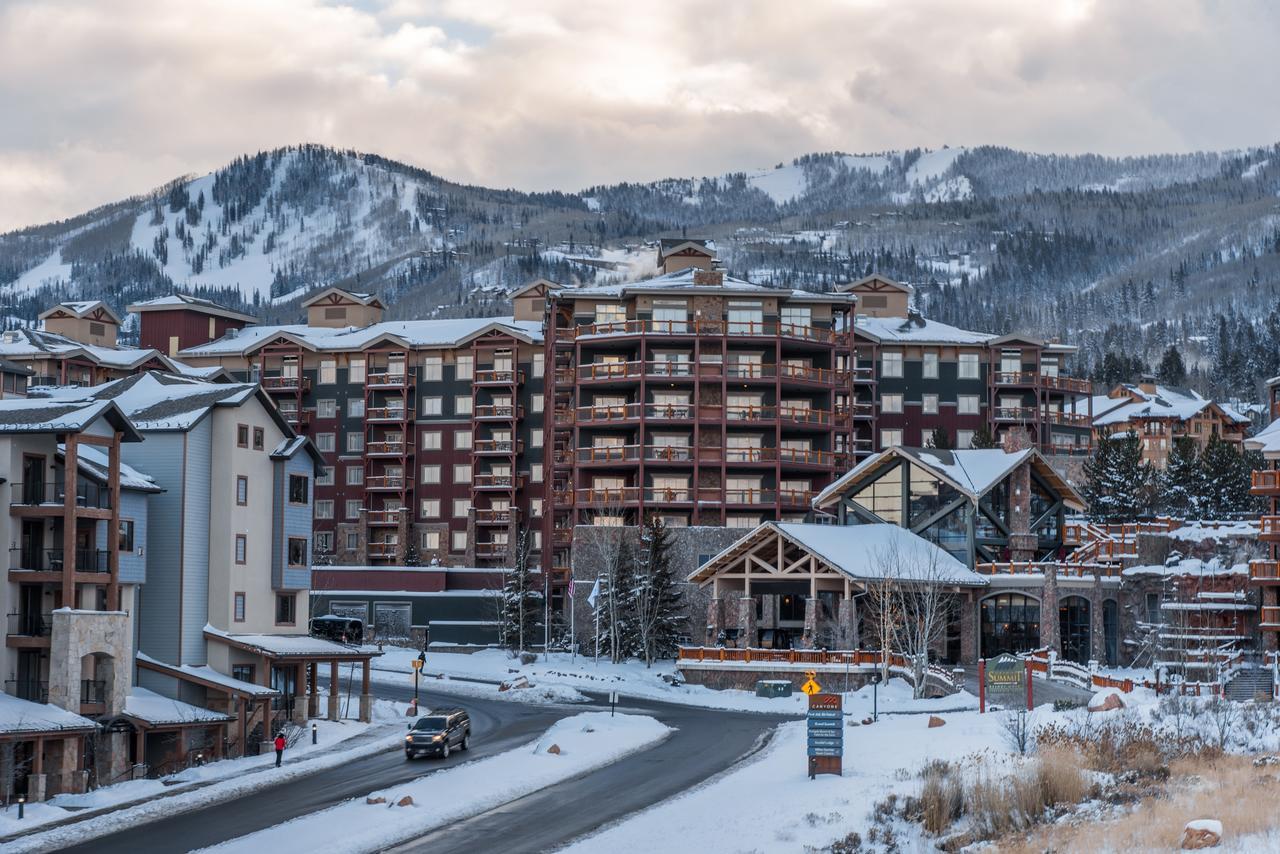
[(232, 332)]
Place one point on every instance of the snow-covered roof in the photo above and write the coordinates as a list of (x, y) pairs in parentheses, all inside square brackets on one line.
[(162, 401), (205, 673), (283, 645), (186, 301), (80, 309), (20, 344), (68, 415), (411, 333), (973, 471), (1188, 566), (916, 330), (1133, 403), (1267, 441), (154, 709), (684, 280), (862, 552), (21, 716), (361, 298), (94, 462)]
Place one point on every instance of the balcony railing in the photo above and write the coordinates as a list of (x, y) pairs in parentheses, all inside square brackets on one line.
[(608, 454), (500, 410), (53, 560), (1014, 413), (669, 411), (734, 328), (34, 690), (497, 446), (669, 453), (618, 412), (1270, 617), (804, 415), (1264, 570), (29, 625), (608, 496), (279, 383), (668, 495), (384, 517), (796, 497), (489, 516), (499, 377), (384, 481), (388, 379), (1068, 419), (751, 412), (385, 413), (93, 691), (749, 496), (393, 448), (383, 549), (1265, 481), (494, 481), (1269, 527), (491, 550), (34, 493), (1071, 384)]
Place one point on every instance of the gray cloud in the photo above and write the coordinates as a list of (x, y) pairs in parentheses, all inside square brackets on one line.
[(101, 100)]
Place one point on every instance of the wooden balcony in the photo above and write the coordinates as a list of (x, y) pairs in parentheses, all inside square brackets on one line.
[(1269, 529), (797, 498), (669, 495), (493, 517), (384, 449), (503, 411), (389, 379), (1073, 385), (619, 496), (383, 518), (495, 481), (1265, 482), (291, 385), (1068, 419), (383, 550), (1270, 620), (491, 550), (384, 482), (691, 328), (499, 377), (1010, 378), (669, 453), (607, 454), (1264, 571), (500, 447), (386, 413), (1014, 413)]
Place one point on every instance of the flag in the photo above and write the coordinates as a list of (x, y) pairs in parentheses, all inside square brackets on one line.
[(595, 594), (572, 584)]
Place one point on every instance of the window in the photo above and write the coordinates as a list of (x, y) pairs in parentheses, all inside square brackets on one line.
[(431, 440), (535, 438), (242, 548), (535, 472), (610, 313), (535, 403), (929, 404), (324, 542), (326, 409), (745, 318), (431, 474), (929, 368), (355, 475), (735, 521), (433, 368), (242, 490), (462, 404), (890, 364), (355, 370), (964, 439), (328, 371), (324, 443), (465, 367), (355, 443), (890, 438), (462, 440), (535, 507), (299, 489), (462, 473), (969, 368), (537, 367), (324, 509), (796, 319), (890, 403), (461, 506), (259, 438), (325, 478), (432, 405), (355, 407), (429, 508), (97, 329), (353, 509), (430, 541), (967, 404), (238, 615), (297, 551), (353, 542), (125, 535), (458, 541), (242, 435), (286, 608)]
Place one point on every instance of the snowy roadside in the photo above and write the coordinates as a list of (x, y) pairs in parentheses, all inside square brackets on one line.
[(584, 743), (136, 802), (632, 679)]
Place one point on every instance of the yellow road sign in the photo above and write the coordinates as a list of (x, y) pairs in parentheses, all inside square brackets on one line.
[(417, 664), (810, 686)]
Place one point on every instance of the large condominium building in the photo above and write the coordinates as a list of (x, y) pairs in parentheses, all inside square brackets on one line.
[(431, 430), (1161, 414)]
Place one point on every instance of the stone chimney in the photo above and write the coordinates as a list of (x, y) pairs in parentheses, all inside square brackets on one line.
[(713, 278), (1147, 384), (1022, 542), (1015, 439)]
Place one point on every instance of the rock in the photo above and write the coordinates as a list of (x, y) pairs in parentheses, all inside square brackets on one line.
[(406, 801), (1201, 833), (1106, 701), (555, 748), (373, 800), (867, 721), (528, 657), (518, 682), (935, 721)]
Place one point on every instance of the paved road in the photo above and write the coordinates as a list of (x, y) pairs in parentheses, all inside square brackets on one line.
[(705, 743)]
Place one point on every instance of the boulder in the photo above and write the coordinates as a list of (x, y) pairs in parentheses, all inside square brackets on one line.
[(406, 801), (1106, 701), (518, 682), (555, 748), (935, 721), (1201, 833), (373, 800), (867, 721)]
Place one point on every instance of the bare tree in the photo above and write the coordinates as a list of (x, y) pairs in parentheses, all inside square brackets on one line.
[(922, 600), (604, 552), (882, 615)]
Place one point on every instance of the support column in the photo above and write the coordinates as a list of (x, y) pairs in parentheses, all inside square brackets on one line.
[(313, 701), (715, 621), (73, 779), (1270, 639), (333, 690), (969, 641), (768, 611), (113, 532), (1050, 632), (37, 783), (810, 637), (300, 693), (1097, 637), (366, 698), (1022, 542), (70, 465), (847, 628), (747, 622)]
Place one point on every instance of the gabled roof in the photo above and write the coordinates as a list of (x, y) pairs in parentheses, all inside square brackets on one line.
[(337, 296), (973, 471), (38, 344), (916, 329), (1126, 402), (545, 284), (94, 463), (875, 282), (291, 447), (861, 552), (672, 245), (87, 308), (70, 414), (176, 302), (24, 716)]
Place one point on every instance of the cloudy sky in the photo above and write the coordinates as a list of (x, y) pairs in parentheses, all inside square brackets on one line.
[(104, 98)]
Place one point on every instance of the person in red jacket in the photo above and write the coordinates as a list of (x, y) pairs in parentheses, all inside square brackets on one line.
[(279, 748)]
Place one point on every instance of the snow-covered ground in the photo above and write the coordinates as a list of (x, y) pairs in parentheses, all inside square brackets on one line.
[(562, 679), (200, 786), (584, 742)]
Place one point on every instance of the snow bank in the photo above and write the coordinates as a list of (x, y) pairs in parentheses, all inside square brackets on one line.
[(586, 742)]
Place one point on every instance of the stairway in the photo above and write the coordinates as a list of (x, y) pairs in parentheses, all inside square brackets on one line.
[(1250, 683)]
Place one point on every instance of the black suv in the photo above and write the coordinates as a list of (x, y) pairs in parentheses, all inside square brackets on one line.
[(438, 732)]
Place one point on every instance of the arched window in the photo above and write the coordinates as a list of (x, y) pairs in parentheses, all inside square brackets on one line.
[(1010, 623)]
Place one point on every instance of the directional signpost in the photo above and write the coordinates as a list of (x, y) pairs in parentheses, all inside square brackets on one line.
[(826, 730)]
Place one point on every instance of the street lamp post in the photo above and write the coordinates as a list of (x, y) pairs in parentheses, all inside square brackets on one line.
[(875, 697)]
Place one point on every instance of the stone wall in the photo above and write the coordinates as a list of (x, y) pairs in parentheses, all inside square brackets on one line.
[(77, 634)]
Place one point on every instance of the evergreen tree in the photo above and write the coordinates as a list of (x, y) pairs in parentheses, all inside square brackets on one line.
[(658, 599), (1117, 479), (982, 438), (521, 599), (1226, 479), (1182, 481), (940, 439), (1171, 370)]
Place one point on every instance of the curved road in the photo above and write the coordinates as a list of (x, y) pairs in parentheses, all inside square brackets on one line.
[(705, 742)]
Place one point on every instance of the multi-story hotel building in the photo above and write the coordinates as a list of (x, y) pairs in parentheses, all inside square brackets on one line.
[(1160, 415)]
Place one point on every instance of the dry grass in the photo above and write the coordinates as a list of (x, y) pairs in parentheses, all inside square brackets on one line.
[(1226, 788)]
